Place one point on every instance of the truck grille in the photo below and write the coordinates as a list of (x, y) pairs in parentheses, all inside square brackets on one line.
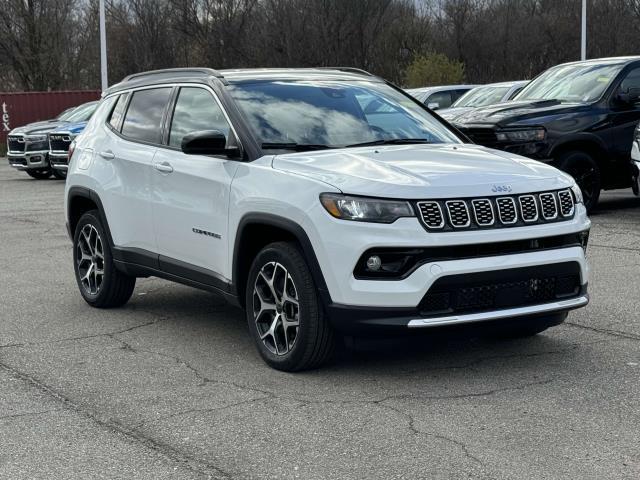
[(496, 212), (481, 136), (15, 144), (59, 142)]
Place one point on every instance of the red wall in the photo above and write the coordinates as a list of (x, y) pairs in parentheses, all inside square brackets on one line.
[(18, 109)]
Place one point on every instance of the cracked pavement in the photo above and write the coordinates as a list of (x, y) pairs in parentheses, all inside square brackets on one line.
[(170, 386)]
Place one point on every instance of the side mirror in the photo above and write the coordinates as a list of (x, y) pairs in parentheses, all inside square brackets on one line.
[(207, 142), (631, 96), (433, 105)]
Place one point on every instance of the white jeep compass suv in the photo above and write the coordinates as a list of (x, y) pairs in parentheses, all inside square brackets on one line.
[(322, 201)]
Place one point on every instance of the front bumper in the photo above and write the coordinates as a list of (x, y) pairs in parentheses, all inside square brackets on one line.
[(59, 160), (28, 160)]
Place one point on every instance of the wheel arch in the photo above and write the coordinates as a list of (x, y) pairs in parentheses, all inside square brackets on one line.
[(81, 200), (589, 144), (257, 230)]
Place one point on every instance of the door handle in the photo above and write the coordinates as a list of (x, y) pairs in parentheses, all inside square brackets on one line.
[(108, 155), (164, 167)]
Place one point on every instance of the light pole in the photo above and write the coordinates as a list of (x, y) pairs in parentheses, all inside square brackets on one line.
[(103, 49), (583, 39)]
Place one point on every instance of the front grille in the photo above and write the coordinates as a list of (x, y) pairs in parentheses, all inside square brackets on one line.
[(59, 143), (496, 212), (566, 203), (512, 288), (528, 208), (481, 136), (15, 144), (458, 213)]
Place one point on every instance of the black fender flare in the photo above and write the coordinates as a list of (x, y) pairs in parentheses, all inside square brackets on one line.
[(83, 192)]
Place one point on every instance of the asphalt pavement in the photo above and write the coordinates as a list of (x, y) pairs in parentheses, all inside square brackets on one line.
[(170, 386)]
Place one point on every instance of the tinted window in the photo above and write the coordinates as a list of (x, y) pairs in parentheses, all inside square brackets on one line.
[(443, 99), (143, 120), (632, 80), (118, 112), (196, 110)]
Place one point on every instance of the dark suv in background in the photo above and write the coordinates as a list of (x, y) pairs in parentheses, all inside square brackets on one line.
[(579, 116)]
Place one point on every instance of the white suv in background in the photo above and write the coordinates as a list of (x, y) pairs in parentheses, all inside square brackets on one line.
[(322, 201)]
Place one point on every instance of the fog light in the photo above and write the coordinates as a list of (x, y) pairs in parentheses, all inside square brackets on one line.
[(374, 263)]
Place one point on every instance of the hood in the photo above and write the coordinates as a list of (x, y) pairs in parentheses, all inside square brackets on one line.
[(451, 113), (507, 113), (424, 171), (38, 127), (72, 128)]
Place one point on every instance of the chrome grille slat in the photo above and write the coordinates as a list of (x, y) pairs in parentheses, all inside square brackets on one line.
[(458, 212), (483, 212), (528, 208), (507, 210), (549, 206), (431, 214), (567, 206), (496, 212)]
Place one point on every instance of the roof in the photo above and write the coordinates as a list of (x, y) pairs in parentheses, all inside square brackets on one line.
[(201, 74), (605, 61), (440, 88)]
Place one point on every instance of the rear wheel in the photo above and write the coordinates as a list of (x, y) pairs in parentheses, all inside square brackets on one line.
[(100, 283), (60, 174), (585, 171), (39, 173), (284, 314)]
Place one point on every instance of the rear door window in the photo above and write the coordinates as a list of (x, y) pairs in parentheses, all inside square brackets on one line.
[(143, 120), (439, 100)]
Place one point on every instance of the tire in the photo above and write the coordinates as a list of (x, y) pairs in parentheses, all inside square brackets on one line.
[(39, 173), (584, 169), (91, 251), (278, 278), (59, 174)]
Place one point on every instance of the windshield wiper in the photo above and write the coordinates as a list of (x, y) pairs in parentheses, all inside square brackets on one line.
[(390, 141), (298, 147)]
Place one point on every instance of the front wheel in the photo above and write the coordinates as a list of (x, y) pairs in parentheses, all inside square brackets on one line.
[(585, 171), (284, 314), (39, 173), (100, 283), (59, 174)]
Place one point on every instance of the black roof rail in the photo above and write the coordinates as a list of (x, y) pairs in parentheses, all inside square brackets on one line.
[(172, 72), (349, 69)]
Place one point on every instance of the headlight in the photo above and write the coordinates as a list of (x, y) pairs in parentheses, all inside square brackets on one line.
[(527, 135), (362, 209), (577, 193)]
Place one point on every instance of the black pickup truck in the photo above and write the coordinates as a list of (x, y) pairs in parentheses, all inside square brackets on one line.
[(577, 116)]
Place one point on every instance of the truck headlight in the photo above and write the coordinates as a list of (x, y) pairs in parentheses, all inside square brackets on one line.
[(362, 209), (524, 135)]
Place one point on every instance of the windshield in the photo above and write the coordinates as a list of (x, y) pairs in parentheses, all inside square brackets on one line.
[(82, 113), (481, 96), (335, 114), (579, 83), (66, 114)]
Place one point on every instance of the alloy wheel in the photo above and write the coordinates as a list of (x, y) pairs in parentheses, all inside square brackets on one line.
[(276, 309), (90, 259)]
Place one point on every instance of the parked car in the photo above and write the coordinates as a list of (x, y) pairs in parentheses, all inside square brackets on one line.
[(482, 96), (28, 146), (635, 162), (60, 139), (290, 192), (578, 116), (439, 97)]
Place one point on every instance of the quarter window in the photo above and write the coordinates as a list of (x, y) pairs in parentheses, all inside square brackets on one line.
[(118, 111), (196, 110), (143, 120)]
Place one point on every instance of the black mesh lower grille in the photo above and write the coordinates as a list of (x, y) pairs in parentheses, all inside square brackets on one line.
[(503, 289)]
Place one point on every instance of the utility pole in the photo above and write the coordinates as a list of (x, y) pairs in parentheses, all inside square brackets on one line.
[(103, 49), (583, 40)]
